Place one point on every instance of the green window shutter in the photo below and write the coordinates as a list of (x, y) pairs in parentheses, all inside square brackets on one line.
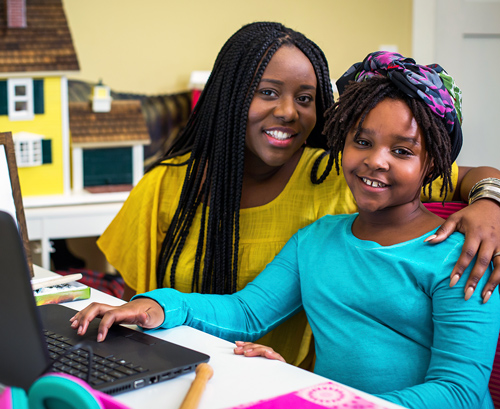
[(46, 151), (4, 109), (38, 96), (107, 166)]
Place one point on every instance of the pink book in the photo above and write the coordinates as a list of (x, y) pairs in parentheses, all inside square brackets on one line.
[(323, 395)]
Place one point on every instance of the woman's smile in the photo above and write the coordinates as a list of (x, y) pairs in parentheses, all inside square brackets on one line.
[(280, 137)]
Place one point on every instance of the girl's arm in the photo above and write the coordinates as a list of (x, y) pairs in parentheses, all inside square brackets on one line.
[(480, 222), (267, 301), (273, 297), (459, 369)]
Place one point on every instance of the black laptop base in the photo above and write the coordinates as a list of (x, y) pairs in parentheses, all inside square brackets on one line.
[(117, 366)]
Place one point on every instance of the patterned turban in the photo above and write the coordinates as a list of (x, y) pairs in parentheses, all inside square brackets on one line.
[(430, 83)]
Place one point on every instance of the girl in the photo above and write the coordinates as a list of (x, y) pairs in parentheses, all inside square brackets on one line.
[(374, 289), (246, 174)]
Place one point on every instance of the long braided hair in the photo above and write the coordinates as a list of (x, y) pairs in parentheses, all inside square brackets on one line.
[(215, 137), (359, 98)]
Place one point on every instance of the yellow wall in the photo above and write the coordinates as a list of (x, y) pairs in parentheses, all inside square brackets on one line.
[(152, 46), (45, 179)]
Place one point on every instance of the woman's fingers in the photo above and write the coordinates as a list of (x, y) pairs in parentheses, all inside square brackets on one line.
[(480, 223)]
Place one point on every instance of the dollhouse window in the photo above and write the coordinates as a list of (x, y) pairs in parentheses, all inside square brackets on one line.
[(29, 153), (20, 97), (31, 149), (23, 152)]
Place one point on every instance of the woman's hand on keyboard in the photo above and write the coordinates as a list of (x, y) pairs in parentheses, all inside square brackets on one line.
[(144, 312)]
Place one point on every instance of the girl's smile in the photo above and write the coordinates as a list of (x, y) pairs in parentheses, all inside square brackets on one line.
[(374, 183)]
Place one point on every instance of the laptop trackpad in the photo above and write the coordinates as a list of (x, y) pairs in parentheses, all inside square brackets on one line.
[(140, 337)]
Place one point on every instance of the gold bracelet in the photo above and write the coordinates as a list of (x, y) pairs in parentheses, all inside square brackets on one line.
[(488, 188), (486, 183), (485, 195)]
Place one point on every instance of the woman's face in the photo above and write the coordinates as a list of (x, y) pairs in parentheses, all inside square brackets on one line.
[(385, 164), (282, 113)]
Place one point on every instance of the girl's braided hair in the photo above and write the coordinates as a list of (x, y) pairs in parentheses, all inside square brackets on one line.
[(356, 102), (215, 137)]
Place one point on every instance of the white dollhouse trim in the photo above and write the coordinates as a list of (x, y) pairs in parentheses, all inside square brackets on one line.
[(137, 163), (77, 169), (65, 136), (109, 144)]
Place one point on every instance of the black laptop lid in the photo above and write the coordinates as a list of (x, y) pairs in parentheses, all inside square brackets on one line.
[(23, 352)]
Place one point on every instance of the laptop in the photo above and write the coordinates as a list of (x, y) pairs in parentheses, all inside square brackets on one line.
[(125, 361)]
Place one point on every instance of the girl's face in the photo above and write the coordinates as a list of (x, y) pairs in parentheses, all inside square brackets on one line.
[(386, 164), (282, 113)]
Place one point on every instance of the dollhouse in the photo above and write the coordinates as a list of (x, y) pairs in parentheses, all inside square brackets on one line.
[(107, 143), (36, 54), (61, 148)]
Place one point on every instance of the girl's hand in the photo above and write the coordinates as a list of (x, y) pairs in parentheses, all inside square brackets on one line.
[(144, 312), (251, 349), (480, 222)]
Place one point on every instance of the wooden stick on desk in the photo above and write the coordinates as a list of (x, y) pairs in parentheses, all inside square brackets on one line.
[(203, 373), (38, 283)]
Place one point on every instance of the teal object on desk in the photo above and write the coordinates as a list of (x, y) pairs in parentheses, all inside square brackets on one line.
[(57, 391)]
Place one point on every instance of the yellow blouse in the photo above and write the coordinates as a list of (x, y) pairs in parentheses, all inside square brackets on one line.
[(132, 242)]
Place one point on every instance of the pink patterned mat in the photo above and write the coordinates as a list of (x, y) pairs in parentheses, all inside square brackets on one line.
[(324, 395)]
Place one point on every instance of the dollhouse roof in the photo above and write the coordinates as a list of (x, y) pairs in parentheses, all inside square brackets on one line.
[(123, 125), (45, 44)]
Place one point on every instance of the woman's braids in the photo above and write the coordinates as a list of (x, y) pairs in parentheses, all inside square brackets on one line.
[(215, 137), (359, 98)]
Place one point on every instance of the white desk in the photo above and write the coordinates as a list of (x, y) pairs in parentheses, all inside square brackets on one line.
[(236, 379), (69, 216)]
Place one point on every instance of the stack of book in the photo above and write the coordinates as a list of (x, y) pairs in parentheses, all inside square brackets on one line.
[(59, 289)]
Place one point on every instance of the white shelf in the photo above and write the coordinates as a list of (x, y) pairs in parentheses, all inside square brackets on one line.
[(73, 199), (69, 216)]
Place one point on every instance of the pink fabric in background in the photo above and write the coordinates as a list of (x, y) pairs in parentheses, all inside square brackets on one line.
[(324, 395), (444, 211)]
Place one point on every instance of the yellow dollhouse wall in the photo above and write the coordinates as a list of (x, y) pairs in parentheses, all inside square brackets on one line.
[(45, 179)]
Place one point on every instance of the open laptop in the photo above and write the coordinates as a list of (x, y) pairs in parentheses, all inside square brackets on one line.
[(125, 361)]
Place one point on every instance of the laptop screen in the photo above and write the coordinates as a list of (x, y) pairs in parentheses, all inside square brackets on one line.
[(23, 352)]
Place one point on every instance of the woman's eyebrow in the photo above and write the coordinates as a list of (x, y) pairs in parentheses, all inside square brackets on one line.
[(279, 82)]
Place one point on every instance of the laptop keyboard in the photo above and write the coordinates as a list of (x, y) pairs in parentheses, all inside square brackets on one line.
[(76, 362)]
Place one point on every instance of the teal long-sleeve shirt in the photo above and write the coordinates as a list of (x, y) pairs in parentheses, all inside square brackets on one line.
[(384, 318)]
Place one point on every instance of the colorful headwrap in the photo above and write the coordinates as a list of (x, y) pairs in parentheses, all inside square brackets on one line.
[(430, 83)]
